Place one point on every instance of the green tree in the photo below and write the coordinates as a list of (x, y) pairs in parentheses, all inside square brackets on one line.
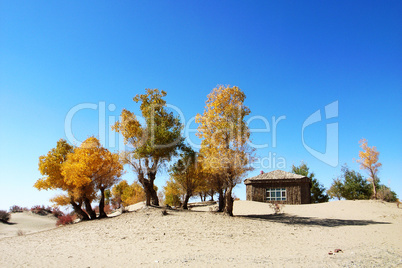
[(317, 190), (354, 185), (108, 195), (335, 191), (154, 142), (187, 174)]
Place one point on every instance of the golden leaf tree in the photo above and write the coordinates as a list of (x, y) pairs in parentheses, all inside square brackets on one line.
[(225, 137), (93, 168), (80, 172), (369, 162), (153, 143), (50, 166)]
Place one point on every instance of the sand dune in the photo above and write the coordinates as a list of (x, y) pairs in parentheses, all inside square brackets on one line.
[(26, 223), (367, 232)]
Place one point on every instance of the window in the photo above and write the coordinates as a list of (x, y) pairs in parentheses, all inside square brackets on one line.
[(276, 194)]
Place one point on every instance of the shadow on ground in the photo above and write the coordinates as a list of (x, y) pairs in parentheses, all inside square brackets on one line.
[(8, 223), (309, 221)]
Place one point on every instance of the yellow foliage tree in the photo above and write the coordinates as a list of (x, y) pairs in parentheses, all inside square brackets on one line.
[(50, 166), (172, 193), (225, 135), (132, 194), (117, 192), (91, 168), (369, 162), (80, 172)]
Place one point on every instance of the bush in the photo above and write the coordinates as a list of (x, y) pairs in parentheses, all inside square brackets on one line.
[(57, 212), (66, 219), (4, 216), (164, 212), (16, 208), (385, 193), (277, 208), (41, 210)]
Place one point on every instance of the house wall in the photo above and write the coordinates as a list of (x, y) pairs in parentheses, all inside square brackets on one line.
[(296, 192)]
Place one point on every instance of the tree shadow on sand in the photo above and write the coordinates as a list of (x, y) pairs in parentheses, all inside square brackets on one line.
[(8, 223), (309, 221)]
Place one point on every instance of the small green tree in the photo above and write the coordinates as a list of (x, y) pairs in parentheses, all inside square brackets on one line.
[(335, 191), (187, 174), (317, 190), (354, 185), (154, 141)]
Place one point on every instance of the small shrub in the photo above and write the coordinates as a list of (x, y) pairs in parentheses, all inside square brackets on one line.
[(277, 208), (164, 212), (57, 212), (41, 210), (385, 193), (66, 219), (4, 216), (15, 209)]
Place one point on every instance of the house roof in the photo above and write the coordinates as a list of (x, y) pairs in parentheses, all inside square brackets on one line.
[(274, 175)]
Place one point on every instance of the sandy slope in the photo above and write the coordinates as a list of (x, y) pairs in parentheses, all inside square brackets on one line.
[(368, 233), (27, 223)]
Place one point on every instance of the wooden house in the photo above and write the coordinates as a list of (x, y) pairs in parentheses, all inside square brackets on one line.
[(279, 187)]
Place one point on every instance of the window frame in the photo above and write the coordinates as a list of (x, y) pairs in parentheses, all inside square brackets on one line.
[(271, 194)]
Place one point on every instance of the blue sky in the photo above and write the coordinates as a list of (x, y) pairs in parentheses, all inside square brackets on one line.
[(291, 58)]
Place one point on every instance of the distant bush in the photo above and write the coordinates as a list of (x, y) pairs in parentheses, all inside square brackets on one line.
[(41, 210), (385, 193), (4, 216), (65, 219), (16, 208), (57, 212)]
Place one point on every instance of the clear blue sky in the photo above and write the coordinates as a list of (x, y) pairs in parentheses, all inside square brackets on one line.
[(291, 58)]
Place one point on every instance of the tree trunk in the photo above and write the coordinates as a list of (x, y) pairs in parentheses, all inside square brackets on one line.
[(147, 195), (228, 202), (102, 213), (186, 198), (77, 208), (89, 209), (374, 190), (154, 194), (154, 197), (221, 200)]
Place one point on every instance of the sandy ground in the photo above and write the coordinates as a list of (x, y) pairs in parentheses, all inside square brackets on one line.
[(369, 234), (26, 223)]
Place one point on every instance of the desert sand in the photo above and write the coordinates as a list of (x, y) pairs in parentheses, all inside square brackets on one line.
[(368, 233)]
